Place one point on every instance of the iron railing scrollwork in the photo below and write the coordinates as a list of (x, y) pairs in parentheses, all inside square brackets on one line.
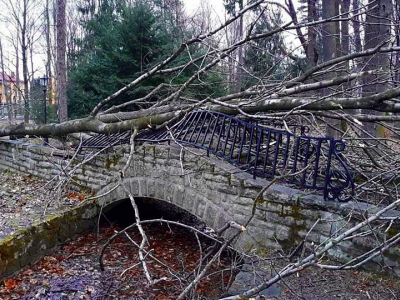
[(338, 176)]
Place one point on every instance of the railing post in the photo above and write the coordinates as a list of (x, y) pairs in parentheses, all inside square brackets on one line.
[(328, 168)]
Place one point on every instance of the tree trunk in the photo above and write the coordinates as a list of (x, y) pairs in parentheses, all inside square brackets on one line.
[(293, 16), (397, 33), (61, 69), (311, 51), (377, 31), (48, 52), (356, 27), (330, 46), (4, 85), (32, 77), (17, 92), (25, 71), (345, 45), (239, 68)]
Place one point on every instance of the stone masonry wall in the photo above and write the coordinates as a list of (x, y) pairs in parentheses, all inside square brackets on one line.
[(210, 189)]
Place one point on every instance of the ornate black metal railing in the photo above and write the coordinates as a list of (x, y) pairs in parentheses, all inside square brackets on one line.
[(101, 141), (310, 162), (264, 150)]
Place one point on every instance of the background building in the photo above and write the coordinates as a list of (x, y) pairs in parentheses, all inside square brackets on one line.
[(10, 90)]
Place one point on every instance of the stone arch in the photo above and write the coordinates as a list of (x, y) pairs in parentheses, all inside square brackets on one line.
[(185, 197)]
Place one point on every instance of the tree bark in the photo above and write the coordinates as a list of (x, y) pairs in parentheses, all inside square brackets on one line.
[(239, 67), (32, 76), (293, 15), (397, 34), (61, 69), (345, 37), (4, 85), (25, 71), (330, 46), (345, 49), (311, 51), (17, 91), (356, 27), (377, 31), (48, 52)]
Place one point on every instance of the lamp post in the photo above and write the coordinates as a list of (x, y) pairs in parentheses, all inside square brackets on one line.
[(43, 83)]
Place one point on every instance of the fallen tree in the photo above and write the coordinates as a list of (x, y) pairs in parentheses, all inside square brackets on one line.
[(264, 97)]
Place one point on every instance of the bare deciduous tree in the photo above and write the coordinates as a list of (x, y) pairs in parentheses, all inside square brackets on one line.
[(61, 65), (377, 32)]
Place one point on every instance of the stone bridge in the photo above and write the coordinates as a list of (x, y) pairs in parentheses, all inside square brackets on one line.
[(210, 189)]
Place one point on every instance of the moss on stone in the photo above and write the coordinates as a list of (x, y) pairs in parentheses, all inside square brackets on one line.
[(293, 211), (112, 160), (248, 247), (29, 244), (392, 232), (260, 200), (83, 169), (116, 159), (294, 236)]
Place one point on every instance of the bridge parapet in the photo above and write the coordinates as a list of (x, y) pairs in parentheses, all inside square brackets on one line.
[(210, 189)]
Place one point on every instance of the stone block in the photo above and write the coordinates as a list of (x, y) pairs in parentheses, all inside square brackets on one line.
[(177, 179), (221, 220), (159, 190), (249, 192), (142, 187), (201, 209), (323, 228), (134, 186), (179, 196), (213, 196), (267, 205), (169, 190), (277, 219), (282, 233), (216, 178), (189, 200), (239, 218), (210, 215), (151, 188), (174, 153), (139, 168)]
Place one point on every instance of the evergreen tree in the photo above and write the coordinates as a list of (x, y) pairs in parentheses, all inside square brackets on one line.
[(265, 58), (123, 41)]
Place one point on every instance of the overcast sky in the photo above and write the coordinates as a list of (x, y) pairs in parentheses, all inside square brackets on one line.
[(192, 5)]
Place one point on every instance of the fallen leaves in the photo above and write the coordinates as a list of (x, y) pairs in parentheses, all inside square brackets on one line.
[(72, 272), (10, 284), (76, 196)]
